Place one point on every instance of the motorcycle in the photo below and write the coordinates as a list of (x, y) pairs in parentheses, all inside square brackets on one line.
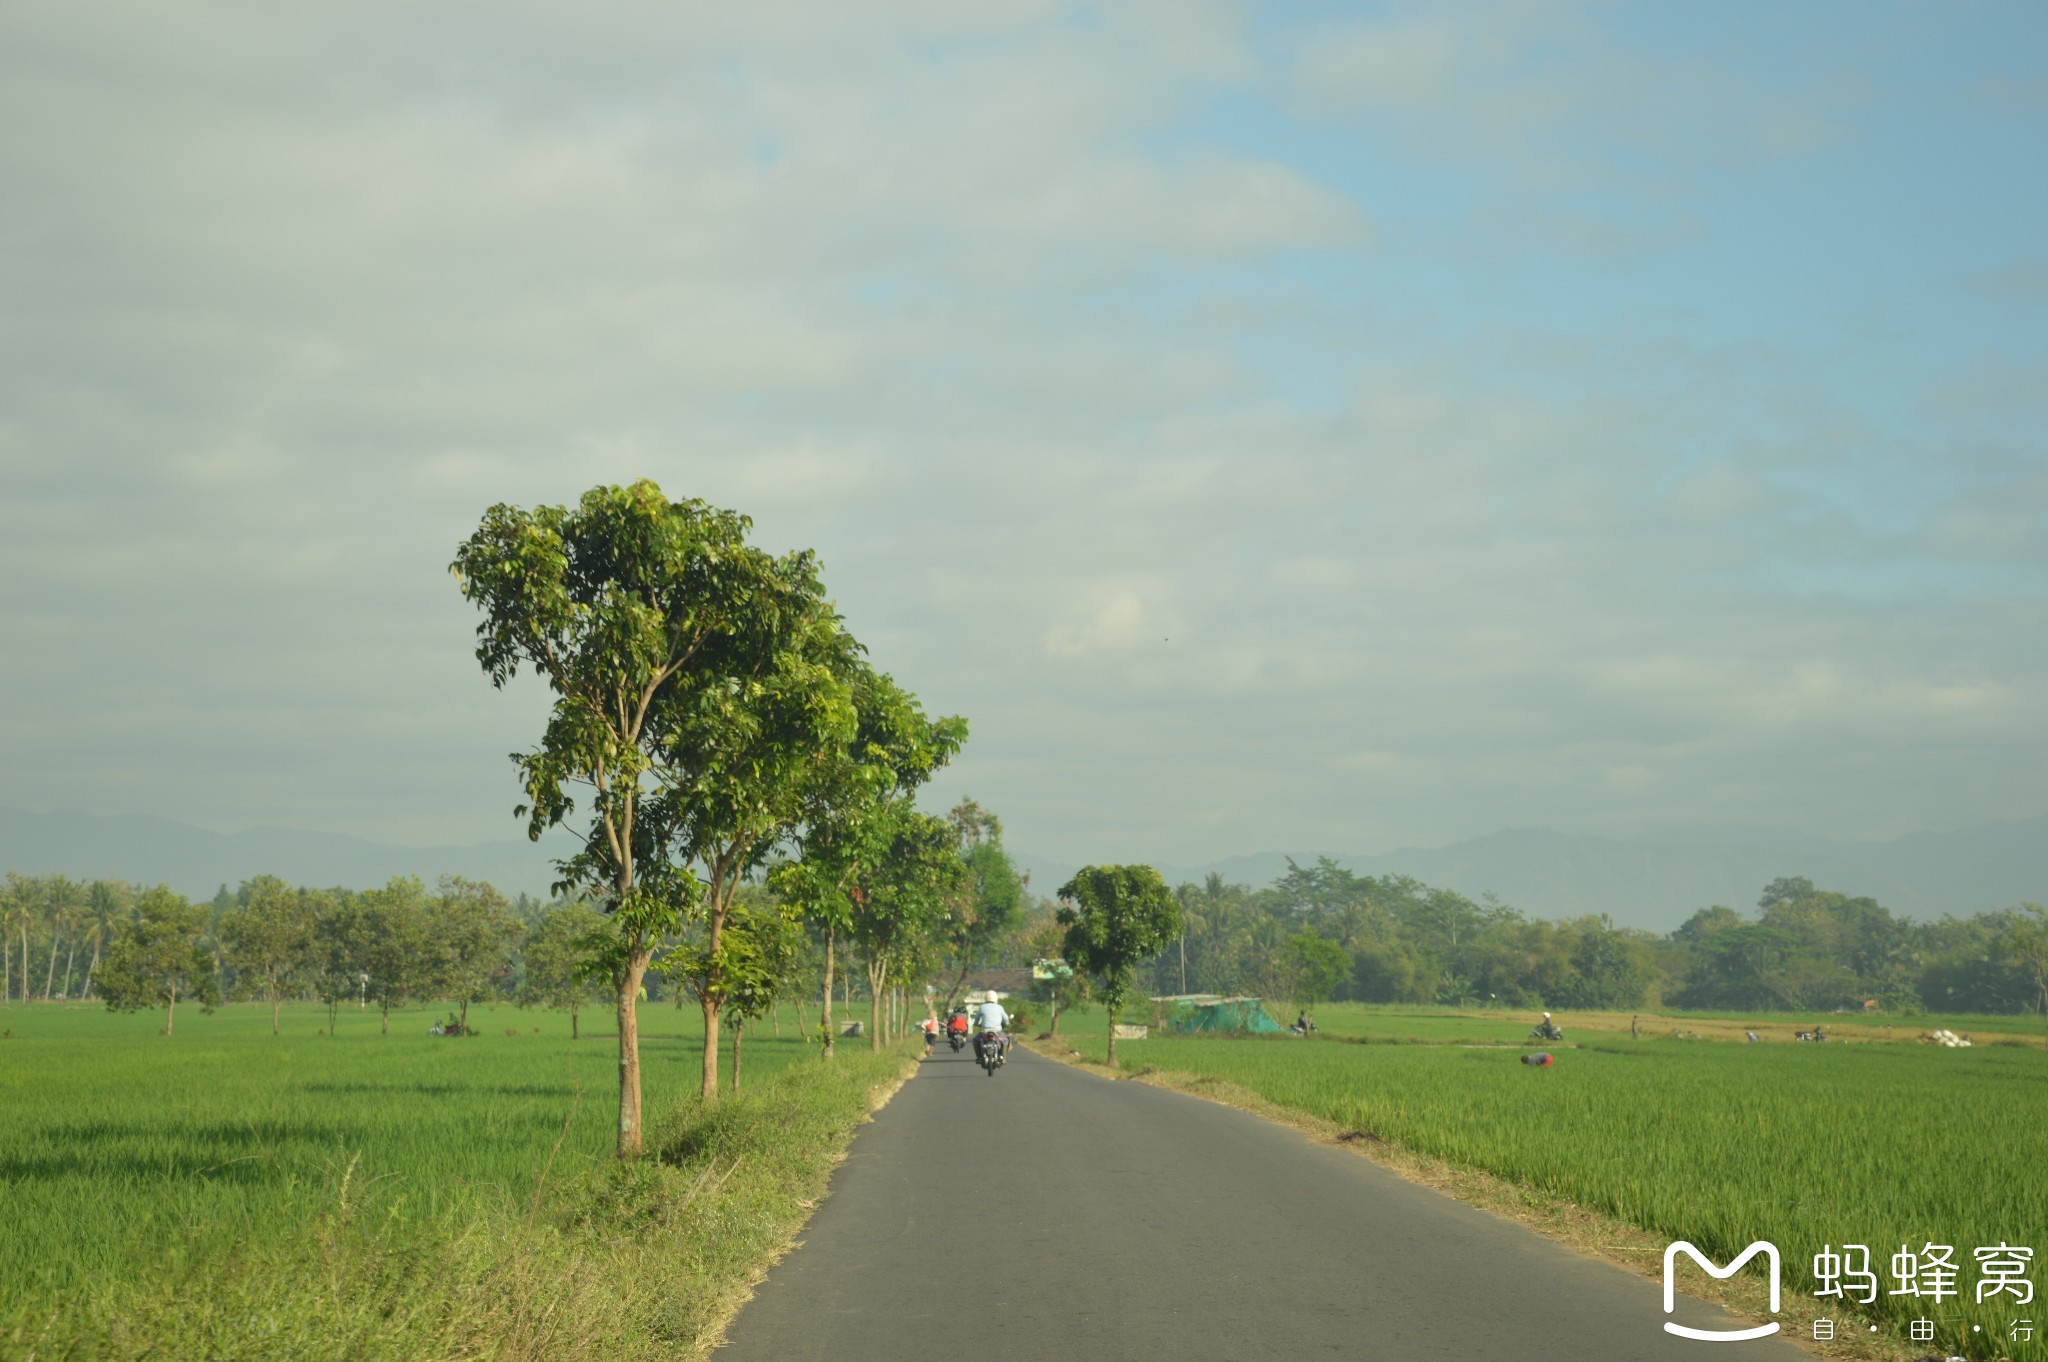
[(958, 1040), (1547, 1031), (988, 1052)]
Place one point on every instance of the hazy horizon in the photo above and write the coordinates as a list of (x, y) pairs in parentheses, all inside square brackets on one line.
[(1370, 427)]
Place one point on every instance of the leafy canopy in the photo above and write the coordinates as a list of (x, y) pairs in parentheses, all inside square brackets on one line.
[(1116, 916)]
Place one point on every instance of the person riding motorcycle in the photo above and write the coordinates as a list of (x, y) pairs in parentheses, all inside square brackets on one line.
[(1546, 1030), (989, 1020), (956, 1028)]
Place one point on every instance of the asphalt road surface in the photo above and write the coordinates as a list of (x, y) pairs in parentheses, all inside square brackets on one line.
[(1044, 1213)]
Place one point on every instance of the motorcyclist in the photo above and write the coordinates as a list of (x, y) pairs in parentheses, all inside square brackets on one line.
[(956, 1027), (1547, 1029), (990, 1019)]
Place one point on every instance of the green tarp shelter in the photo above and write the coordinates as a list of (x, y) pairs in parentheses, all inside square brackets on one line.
[(1203, 1014)]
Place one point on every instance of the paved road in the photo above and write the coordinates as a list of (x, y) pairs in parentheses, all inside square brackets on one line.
[(1044, 1213)]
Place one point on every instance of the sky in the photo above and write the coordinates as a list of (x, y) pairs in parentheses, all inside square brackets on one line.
[(1340, 426)]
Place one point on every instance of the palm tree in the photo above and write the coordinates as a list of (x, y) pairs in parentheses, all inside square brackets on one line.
[(65, 903), (10, 895), (106, 909), (17, 914)]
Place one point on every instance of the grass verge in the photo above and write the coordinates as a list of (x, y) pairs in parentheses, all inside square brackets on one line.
[(644, 1259)]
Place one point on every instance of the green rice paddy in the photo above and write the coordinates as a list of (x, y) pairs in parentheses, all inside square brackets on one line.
[(127, 1157)]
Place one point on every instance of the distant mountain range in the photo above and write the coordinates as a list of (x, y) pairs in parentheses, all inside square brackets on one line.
[(1659, 882), (195, 862), (1647, 882)]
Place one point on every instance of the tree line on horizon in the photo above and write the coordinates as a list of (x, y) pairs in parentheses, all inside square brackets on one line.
[(1322, 931), (460, 942), (1316, 933)]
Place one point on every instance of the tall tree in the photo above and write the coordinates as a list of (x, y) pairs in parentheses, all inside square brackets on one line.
[(63, 911), (472, 931), (161, 957), (17, 913), (616, 603), (564, 960), (756, 958), (268, 940), (990, 906), (1115, 916), (108, 905), (740, 740), (849, 811), (380, 948), (900, 900), (2024, 943)]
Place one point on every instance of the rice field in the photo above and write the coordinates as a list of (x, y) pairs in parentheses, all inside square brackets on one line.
[(127, 1155), (1885, 1145)]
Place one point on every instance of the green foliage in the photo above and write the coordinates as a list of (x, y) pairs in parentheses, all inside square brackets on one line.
[(757, 958), (379, 948), (472, 931), (564, 957), (1115, 916), (1319, 965), (901, 896), (269, 938), (160, 958)]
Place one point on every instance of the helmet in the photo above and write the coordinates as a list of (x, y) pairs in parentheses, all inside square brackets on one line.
[(1546, 1016)]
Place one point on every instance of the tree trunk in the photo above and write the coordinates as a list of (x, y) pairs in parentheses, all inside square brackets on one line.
[(385, 1008), (825, 1008), (1053, 1002), (90, 970), (877, 974), (171, 1012), (775, 1026), (710, 1002), (70, 959), (572, 1021), (50, 976), (6, 967), (629, 1053), (711, 999), (1112, 1038), (275, 1006), (464, 1021), (1183, 962), (739, 1027)]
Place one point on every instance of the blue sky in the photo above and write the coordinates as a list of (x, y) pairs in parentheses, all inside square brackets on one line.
[(1321, 425)]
